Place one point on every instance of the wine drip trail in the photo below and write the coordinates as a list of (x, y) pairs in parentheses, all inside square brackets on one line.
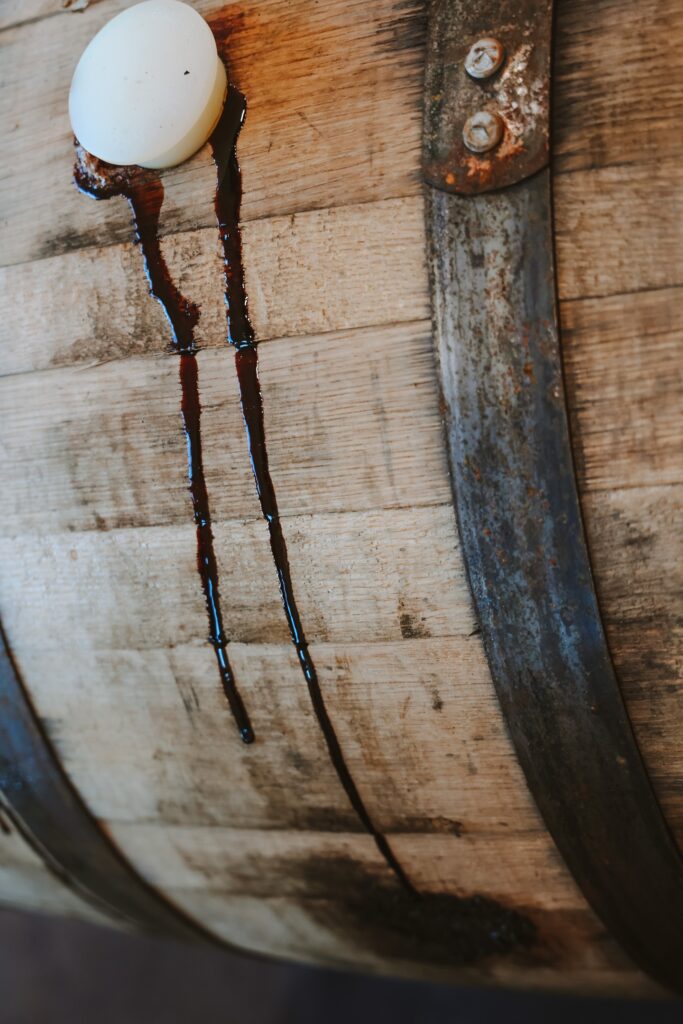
[(241, 336), (145, 194)]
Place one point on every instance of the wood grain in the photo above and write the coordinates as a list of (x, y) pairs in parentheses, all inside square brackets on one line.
[(444, 735), (361, 576), (18, 12), (618, 87), (339, 407), (309, 273), (623, 359), (282, 869), (99, 592), (610, 231)]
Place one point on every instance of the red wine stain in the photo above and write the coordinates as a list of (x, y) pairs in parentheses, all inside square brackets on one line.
[(241, 336), (145, 194)]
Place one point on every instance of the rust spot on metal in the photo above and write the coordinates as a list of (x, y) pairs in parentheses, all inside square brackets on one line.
[(518, 93)]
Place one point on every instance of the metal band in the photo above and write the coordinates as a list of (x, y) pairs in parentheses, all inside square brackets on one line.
[(52, 817), (492, 271), (511, 90)]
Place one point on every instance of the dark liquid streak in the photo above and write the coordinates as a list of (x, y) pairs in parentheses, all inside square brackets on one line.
[(145, 193), (206, 556), (241, 335)]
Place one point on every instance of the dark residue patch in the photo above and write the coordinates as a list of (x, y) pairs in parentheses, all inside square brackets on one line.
[(419, 825), (438, 929), (292, 799), (407, 31), (229, 24), (361, 903), (70, 240), (411, 627)]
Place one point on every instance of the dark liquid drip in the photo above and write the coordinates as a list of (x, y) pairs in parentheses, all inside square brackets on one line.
[(145, 193), (241, 335), (206, 556)]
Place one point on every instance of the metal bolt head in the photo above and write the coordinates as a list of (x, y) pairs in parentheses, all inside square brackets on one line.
[(483, 131), (484, 58)]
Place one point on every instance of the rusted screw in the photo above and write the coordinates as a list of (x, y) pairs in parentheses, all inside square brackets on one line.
[(483, 131), (484, 58)]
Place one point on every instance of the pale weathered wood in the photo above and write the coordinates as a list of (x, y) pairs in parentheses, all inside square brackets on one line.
[(99, 590), (612, 234), (19, 12), (407, 774), (629, 375), (361, 576), (339, 409), (626, 388), (618, 86), (238, 863), (623, 357), (326, 270), (619, 231), (292, 928)]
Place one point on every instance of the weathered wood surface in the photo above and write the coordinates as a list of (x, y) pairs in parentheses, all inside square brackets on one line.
[(99, 591)]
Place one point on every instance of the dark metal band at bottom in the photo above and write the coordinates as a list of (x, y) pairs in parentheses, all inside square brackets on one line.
[(493, 284), (54, 820)]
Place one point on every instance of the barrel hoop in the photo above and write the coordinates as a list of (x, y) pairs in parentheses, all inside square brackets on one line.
[(487, 93), (50, 814), (492, 272)]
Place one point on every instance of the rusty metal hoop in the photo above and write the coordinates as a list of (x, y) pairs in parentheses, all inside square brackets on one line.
[(491, 263)]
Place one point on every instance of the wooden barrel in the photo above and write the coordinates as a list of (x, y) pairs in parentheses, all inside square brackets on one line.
[(128, 796)]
